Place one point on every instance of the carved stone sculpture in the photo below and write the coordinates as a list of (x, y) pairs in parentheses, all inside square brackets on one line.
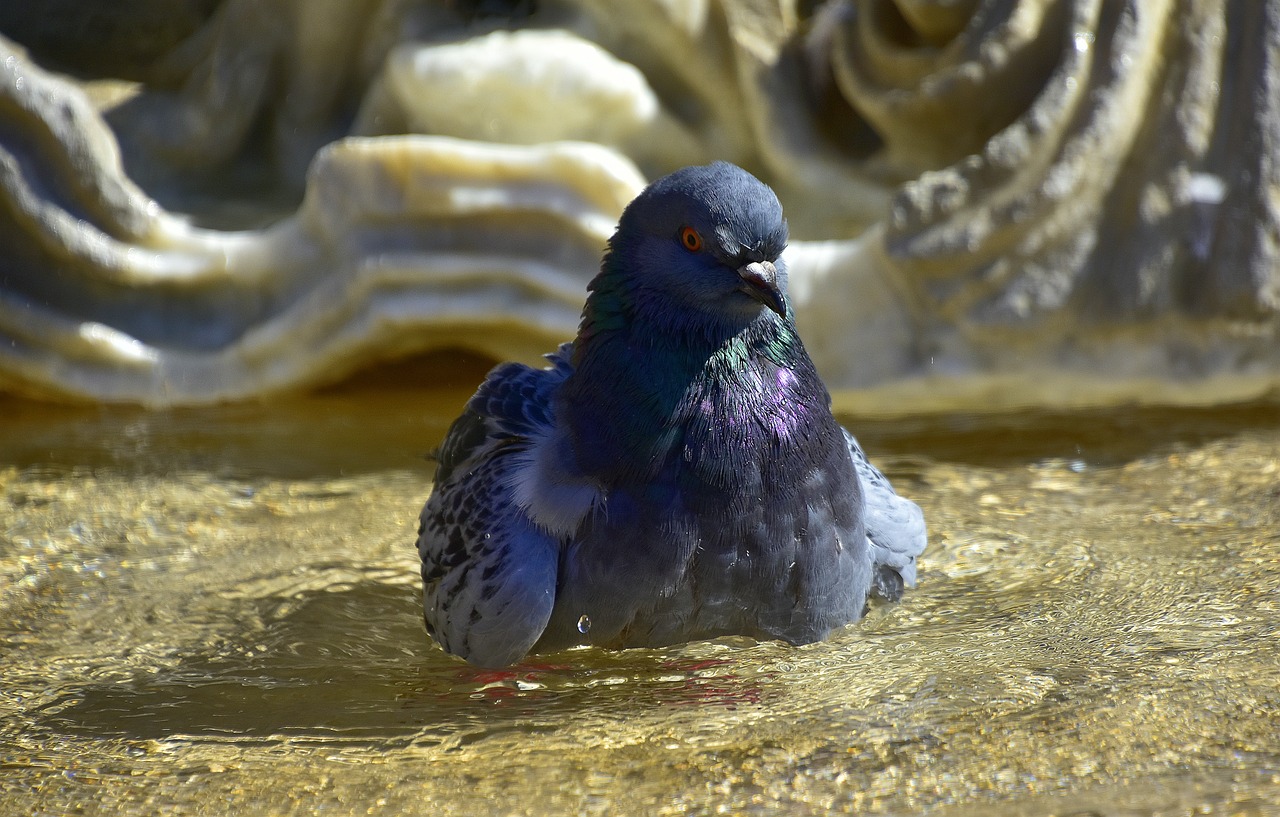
[(1053, 202)]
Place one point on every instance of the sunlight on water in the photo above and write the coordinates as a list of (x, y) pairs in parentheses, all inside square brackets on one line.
[(214, 607)]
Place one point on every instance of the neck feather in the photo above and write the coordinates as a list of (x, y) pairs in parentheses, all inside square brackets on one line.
[(643, 377)]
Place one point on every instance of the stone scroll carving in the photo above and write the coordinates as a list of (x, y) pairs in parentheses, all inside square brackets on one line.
[(993, 203)]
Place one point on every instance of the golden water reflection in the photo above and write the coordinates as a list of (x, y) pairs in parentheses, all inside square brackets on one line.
[(219, 606)]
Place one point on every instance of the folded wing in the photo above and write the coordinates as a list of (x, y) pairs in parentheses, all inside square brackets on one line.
[(489, 571)]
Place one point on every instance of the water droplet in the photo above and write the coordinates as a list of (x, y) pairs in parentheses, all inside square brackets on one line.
[(487, 535), (584, 624)]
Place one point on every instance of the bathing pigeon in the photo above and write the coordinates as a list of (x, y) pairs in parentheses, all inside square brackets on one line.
[(675, 473)]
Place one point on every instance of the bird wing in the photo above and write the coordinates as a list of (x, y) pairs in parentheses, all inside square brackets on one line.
[(489, 571), (895, 527)]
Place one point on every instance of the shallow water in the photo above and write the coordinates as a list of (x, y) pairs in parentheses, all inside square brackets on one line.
[(216, 611)]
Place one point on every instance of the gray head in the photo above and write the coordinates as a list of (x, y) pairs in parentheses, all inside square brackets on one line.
[(707, 238)]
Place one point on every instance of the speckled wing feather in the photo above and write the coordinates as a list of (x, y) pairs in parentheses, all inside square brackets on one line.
[(488, 571), (895, 528)]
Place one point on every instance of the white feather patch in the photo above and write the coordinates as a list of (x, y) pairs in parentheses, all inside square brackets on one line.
[(544, 485)]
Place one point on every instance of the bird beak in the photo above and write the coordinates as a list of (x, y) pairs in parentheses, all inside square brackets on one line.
[(760, 281)]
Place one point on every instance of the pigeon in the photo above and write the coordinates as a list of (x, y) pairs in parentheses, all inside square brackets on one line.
[(675, 473)]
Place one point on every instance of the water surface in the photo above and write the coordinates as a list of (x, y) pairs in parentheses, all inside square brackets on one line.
[(216, 611)]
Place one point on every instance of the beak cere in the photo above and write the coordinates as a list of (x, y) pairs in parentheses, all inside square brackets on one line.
[(760, 281)]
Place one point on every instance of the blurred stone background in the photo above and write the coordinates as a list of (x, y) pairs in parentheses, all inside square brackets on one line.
[(993, 203)]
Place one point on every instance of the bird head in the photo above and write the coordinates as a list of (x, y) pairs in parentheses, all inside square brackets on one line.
[(707, 239)]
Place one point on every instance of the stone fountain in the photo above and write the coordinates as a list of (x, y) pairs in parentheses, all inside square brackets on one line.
[(993, 204)]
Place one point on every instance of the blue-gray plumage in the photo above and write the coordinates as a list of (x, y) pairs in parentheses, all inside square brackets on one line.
[(676, 472)]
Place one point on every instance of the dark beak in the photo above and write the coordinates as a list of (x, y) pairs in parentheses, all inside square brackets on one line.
[(760, 281)]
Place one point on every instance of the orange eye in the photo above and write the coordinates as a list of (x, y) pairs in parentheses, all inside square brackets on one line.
[(690, 239)]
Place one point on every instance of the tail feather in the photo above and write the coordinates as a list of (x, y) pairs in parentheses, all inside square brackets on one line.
[(895, 528)]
